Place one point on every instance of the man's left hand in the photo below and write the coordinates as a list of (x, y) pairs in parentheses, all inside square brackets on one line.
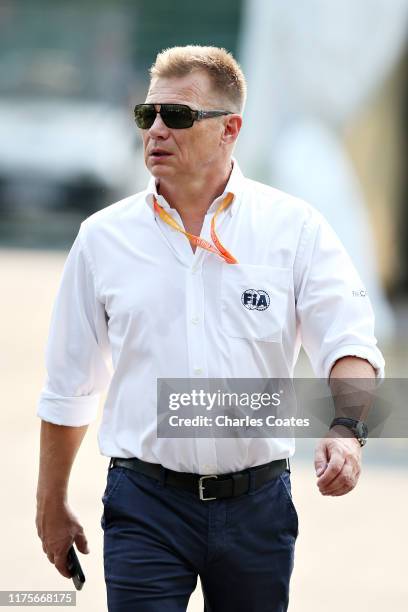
[(337, 462)]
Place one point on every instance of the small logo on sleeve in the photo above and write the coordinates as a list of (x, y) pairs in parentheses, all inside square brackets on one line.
[(359, 293), (255, 299)]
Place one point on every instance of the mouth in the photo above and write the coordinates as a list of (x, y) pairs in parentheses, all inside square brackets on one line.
[(157, 154)]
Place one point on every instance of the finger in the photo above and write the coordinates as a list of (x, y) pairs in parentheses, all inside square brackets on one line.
[(334, 467), (320, 459), (82, 543), (346, 488), (50, 556), (340, 492), (343, 483), (62, 565)]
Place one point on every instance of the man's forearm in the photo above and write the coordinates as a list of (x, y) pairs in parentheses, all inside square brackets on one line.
[(58, 447), (352, 398)]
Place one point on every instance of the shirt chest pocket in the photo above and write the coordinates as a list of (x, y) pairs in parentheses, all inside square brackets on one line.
[(254, 301)]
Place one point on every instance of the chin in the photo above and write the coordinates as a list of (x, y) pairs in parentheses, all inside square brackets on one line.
[(159, 171)]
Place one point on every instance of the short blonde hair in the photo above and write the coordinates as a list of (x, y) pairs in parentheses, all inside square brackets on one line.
[(224, 71)]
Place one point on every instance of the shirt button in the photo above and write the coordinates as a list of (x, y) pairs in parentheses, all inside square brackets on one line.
[(195, 320), (198, 370)]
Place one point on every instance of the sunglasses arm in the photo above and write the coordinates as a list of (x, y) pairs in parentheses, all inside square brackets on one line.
[(208, 114)]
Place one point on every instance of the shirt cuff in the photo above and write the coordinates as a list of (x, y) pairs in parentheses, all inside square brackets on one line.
[(71, 411), (371, 354)]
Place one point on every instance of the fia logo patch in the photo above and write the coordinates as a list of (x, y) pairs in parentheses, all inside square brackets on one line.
[(255, 299)]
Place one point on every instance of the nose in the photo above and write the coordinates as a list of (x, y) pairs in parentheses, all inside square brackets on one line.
[(159, 128)]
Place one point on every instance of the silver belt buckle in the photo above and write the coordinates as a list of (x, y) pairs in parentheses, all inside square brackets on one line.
[(201, 486)]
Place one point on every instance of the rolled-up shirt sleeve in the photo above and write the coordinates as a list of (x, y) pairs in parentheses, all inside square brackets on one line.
[(333, 308), (77, 355)]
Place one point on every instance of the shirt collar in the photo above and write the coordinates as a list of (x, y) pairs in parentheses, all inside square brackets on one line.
[(235, 186)]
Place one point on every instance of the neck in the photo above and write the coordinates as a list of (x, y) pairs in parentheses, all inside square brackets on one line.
[(193, 196)]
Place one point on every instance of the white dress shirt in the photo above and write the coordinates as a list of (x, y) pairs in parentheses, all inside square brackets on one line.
[(136, 304)]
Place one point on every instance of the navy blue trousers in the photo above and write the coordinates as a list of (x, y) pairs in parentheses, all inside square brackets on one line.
[(158, 539)]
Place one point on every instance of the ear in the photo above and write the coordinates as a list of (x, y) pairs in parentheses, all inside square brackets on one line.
[(232, 126)]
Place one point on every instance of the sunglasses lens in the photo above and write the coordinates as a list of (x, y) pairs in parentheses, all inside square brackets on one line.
[(145, 115), (176, 116)]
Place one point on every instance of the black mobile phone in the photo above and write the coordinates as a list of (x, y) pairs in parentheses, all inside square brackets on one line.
[(75, 569)]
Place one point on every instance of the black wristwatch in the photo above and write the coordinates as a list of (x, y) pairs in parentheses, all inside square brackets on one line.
[(359, 428)]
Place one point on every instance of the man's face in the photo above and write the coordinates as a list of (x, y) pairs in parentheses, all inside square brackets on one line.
[(190, 151)]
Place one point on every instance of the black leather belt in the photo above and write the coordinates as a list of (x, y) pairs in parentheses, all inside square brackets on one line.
[(208, 486)]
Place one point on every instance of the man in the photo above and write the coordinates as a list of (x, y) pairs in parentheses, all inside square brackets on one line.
[(155, 282)]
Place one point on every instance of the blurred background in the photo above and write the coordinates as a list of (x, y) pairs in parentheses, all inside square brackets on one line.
[(326, 119)]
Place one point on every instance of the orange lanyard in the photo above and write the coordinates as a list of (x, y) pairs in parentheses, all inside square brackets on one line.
[(218, 249)]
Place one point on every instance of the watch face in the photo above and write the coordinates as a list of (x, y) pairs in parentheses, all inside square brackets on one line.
[(361, 429), (361, 432)]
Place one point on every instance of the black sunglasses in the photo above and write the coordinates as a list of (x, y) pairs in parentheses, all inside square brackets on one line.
[(175, 116)]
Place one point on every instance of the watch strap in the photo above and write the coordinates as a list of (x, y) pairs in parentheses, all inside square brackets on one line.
[(358, 428)]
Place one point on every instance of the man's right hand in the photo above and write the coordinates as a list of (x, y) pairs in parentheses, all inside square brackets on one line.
[(58, 528)]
